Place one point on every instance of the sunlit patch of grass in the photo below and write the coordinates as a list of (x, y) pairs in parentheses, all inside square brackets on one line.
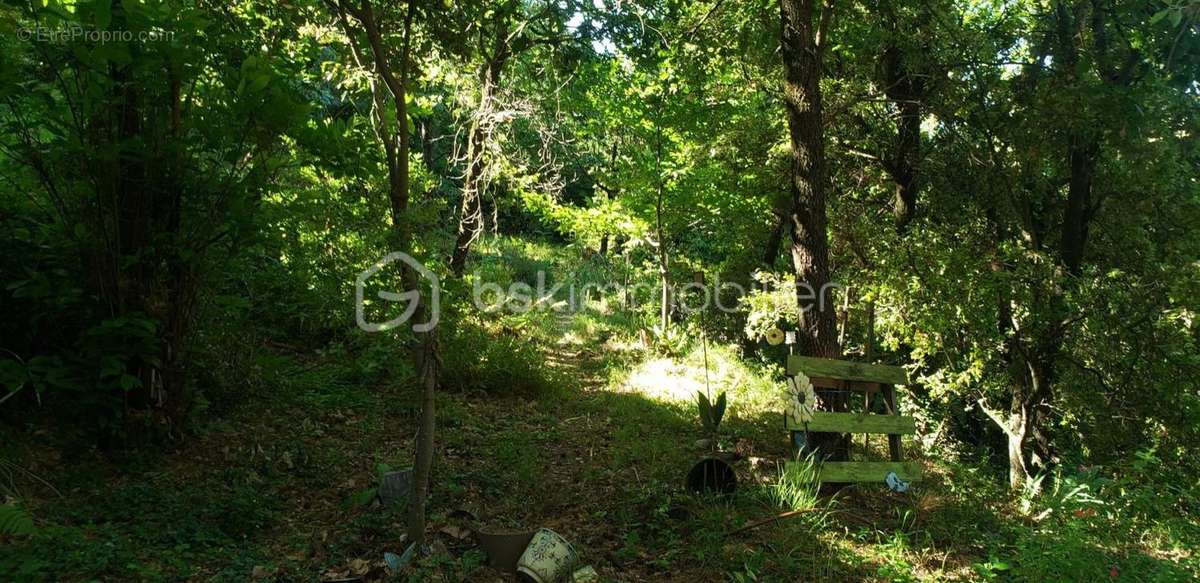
[(797, 489), (752, 390), (570, 338), (666, 379)]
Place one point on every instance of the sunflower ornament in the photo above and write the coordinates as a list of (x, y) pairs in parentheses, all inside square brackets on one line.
[(775, 336), (800, 399)]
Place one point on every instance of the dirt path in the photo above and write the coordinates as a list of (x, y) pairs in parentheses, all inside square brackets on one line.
[(601, 461)]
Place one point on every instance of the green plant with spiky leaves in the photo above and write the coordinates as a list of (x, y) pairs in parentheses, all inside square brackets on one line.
[(711, 414), (15, 521)]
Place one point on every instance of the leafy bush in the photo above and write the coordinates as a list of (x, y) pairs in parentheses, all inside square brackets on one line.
[(15, 521), (502, 364), (771, 305)]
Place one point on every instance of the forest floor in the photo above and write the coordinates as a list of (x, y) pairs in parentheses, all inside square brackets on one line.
[(270, 491)]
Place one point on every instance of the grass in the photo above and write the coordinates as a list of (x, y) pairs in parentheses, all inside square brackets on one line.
[(588, 450)]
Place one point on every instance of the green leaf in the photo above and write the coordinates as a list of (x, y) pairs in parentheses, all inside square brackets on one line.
[(129, 382), (258, 82), (15, 521), (101, 13), (705, 408), (362, 498), (12, 374)]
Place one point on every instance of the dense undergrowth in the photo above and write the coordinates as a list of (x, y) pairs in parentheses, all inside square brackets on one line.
[(582, 409), (199, 202)]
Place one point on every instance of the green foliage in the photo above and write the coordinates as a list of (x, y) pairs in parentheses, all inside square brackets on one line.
[(184, 212), (670, 341), (15, 521), (771, 305), (797, 488), (711, 414), (474, 359)]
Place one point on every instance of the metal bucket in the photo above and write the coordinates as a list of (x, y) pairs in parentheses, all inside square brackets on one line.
[(549, 558)]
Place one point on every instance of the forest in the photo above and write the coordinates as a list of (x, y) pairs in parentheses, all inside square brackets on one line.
[(566, 291)]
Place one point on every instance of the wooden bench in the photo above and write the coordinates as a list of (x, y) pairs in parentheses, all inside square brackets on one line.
[(869, 379)]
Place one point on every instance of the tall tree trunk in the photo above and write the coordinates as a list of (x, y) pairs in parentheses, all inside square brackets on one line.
[(1081, 158), (149, 275), (1015, 422), (1015, 430), (426, 356), (810, 245), (1040, 373), (612, 168), (664, 272), (470, 221), (802, 45)]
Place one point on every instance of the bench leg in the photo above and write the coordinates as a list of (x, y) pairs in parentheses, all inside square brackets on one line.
[(867, 411), (889, 396)]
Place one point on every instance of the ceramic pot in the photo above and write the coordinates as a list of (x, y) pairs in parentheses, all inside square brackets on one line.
[(504, 549), (549, 558)]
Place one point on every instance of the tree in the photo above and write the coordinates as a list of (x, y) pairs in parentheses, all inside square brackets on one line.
[(113, 146), (803, 38), (395, 138), (505, 31)]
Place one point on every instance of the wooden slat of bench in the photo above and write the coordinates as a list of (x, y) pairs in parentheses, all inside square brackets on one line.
[(857, 386), (846, 370), (824, 421), (844, 472)]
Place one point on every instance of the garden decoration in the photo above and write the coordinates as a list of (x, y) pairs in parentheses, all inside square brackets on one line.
[(549, 558), (800, 402), (503, 548), (775, 336), (895, 484), (800, 399), (801, 417)]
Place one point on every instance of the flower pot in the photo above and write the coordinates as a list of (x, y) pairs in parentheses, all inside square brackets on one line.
[(503, 549), (549, 558), (712, 475)]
